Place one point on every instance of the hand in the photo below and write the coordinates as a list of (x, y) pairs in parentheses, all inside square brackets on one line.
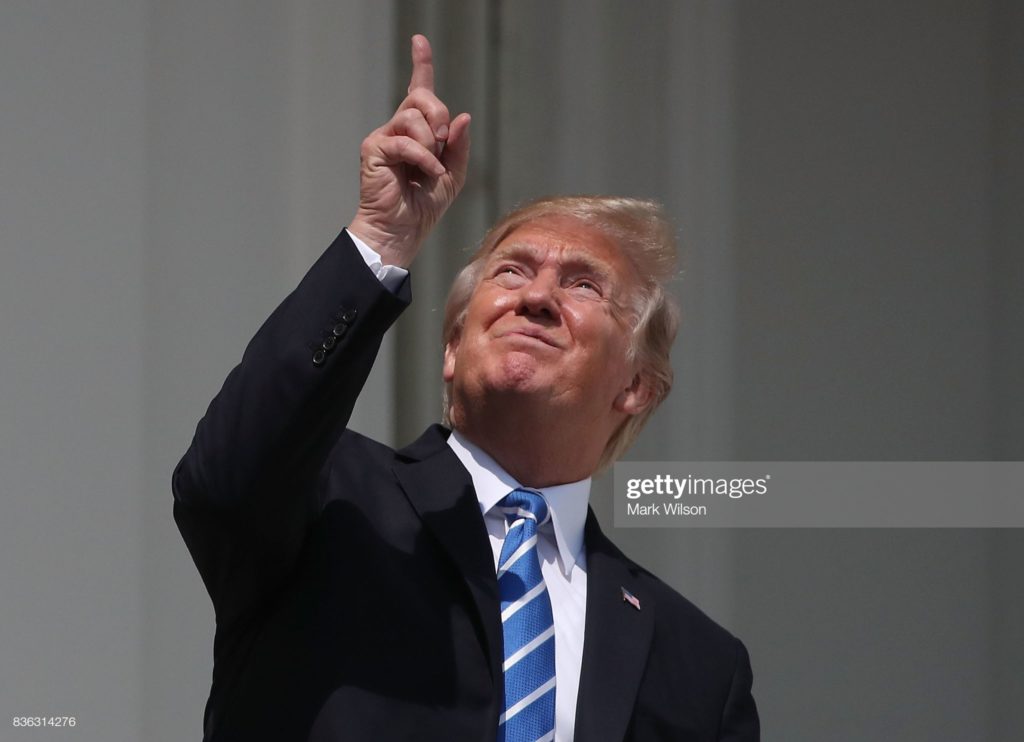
[(412, 168)]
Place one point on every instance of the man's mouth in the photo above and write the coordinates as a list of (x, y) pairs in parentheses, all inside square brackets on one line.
[(534, 333)]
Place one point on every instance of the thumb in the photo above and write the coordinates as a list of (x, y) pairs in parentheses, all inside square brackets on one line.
[(456, 150)]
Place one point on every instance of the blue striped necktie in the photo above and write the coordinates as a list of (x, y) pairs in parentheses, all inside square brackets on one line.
[(528, 712)]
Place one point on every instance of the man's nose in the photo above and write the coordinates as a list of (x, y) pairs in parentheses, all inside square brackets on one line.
[(538, 296)]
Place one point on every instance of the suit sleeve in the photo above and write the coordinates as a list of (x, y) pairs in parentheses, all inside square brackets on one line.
[(245, 491), (740, 722)]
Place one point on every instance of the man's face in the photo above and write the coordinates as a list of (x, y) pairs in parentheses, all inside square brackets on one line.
[(550, 319)]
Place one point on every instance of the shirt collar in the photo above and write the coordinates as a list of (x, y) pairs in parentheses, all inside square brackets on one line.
[(567, 502)]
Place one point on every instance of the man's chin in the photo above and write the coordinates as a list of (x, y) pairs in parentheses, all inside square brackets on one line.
[(511, 373), (514, 374), (518, 370)]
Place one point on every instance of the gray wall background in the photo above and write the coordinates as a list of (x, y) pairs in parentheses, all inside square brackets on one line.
[(847, 180)]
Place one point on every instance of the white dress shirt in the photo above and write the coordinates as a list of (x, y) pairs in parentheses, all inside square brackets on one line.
[(560, 548), (563, 562)]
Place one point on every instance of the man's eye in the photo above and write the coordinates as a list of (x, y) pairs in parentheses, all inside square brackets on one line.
[(587, 285), (508, 276)]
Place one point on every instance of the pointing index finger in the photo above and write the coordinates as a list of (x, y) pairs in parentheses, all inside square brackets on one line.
[(422, 64)]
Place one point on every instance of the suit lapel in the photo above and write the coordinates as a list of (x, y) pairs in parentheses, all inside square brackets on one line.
[(441, 491), (617, 636), (616, 642)]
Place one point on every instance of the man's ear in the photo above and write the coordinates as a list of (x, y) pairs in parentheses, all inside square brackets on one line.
[(450, 349), (635, 398)]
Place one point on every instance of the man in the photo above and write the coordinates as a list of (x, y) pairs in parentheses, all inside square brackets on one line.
[(460, 588)]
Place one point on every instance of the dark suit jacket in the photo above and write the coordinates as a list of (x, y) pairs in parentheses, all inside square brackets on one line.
[(354, 585)]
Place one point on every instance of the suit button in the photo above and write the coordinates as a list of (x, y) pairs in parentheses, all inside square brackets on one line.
[(329, 342), (349, 316), (339, 329), (319, 357)]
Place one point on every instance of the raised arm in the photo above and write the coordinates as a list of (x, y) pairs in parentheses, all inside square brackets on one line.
[(245, 491)]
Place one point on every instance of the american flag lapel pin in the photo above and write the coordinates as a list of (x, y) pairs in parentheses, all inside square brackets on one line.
[(628, 597)]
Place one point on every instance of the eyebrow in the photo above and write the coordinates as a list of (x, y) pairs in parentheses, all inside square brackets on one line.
[(573, 259)]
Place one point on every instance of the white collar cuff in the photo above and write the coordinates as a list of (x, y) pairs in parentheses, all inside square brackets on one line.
[(567, 502)]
